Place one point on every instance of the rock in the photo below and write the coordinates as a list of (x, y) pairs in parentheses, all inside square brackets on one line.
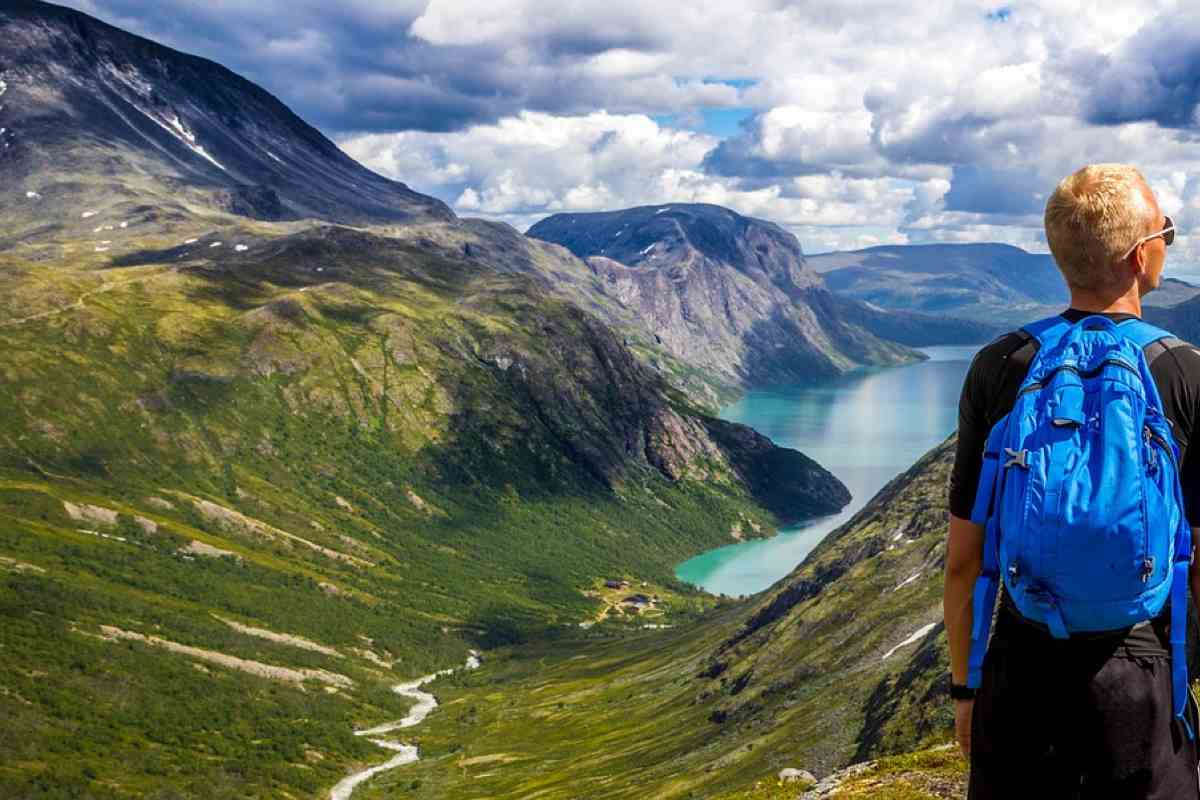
[(789, 774), (201, 549), (826, 787), (86, 513)]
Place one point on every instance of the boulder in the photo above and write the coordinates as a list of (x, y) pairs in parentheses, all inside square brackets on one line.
[(789, 774)]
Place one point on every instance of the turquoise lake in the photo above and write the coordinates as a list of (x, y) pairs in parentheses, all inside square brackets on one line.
[(865, 428)]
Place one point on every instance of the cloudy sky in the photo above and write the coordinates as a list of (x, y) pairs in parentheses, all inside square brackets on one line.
[(851, 123)]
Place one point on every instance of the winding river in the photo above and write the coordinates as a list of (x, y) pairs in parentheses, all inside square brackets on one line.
[(865, 428), (405, 753)]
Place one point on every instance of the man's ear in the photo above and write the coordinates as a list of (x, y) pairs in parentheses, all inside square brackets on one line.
[(1137, 261)]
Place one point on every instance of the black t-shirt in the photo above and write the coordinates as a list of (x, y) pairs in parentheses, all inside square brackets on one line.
[(989, 392)]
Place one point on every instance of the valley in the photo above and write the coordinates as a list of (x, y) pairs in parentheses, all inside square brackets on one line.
[(312, 488)]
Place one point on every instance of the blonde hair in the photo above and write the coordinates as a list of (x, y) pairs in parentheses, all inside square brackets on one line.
[(1093, 218)]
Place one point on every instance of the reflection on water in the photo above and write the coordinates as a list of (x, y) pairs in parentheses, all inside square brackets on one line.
[(865, 428)]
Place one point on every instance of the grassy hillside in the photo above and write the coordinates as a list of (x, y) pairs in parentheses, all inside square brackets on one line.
[(813, 673), (839, 669), (328, 436)]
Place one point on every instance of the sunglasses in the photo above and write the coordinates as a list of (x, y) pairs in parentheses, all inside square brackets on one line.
[(1167, 232)]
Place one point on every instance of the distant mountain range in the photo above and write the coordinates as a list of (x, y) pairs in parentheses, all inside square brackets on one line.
[(990, 282), (996, 285)]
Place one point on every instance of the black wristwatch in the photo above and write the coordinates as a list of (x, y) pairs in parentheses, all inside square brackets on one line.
[(960, 691)]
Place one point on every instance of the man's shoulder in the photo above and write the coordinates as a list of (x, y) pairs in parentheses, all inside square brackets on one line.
[(997, 355), (1181, 355)]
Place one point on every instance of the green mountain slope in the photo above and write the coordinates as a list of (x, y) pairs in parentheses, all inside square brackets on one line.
[(331, 435)]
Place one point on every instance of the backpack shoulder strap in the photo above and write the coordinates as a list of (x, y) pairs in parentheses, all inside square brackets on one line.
[(1143, 334), (1154, 343), (1047, 331)]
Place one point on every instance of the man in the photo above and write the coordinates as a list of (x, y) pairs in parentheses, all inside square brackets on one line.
[(1090, 716)]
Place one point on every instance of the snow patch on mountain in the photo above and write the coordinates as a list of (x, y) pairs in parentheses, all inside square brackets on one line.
[(917, 636), (174, 126)]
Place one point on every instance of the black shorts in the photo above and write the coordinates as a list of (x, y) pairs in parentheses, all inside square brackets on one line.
[(1095, 727)]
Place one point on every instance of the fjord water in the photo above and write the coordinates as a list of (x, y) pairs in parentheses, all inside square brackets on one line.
[(865, 428)]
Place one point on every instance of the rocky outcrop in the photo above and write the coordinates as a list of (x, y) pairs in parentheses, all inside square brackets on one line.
[(721, 291), (938, 772)]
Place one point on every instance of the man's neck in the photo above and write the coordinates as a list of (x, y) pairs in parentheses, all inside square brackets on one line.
[(1095, 302)]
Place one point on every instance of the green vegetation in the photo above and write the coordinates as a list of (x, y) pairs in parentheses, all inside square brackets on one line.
[(393, 458)]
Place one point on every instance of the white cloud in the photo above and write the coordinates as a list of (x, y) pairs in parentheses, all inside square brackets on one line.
[(871, 120), (524, 168)]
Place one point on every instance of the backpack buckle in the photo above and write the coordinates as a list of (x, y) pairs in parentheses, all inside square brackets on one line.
[(1016, 458)]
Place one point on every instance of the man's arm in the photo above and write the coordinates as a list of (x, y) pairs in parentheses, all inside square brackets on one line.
[(964, 560), (1193, 573)]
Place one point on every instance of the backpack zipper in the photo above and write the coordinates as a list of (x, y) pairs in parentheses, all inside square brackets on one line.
[(1150, 436), (1165, 445)]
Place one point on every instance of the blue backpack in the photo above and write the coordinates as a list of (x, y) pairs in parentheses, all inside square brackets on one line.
[(1080, 494)]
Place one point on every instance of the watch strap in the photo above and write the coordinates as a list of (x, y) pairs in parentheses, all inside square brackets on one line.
[(960, 691)]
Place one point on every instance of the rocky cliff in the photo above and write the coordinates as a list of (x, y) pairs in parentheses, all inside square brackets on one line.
[(722, 291)]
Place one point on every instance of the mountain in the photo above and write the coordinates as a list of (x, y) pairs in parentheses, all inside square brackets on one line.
[(722, 291), (97, 124), (915, 329), (1181, 319), (996, 284), (255, 471), (1171, 292)]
